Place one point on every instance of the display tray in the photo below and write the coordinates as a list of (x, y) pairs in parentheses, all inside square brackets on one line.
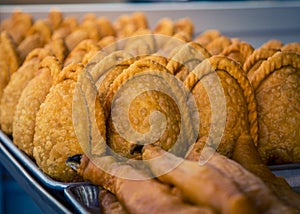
[(255, 22), (31, 165), (83, 197), (48, 201)]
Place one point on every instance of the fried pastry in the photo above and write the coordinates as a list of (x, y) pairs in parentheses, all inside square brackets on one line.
[(164, 26), (75, 37), (116, 141), (186, 58), (29, 103), (127, 25), (258, 56), (217, 45), (239, 191), (292, 47), (55, 19), (272, 44), (85, 47), (55, 138), (17, 25), (68, 25), (58, 48), (220, 83), (276, 85), (184, 26), (107, 41), (131, 192), (9, 59), (17, 83), (239, 51), (143, 126), (246, 154), (105, 27), (207, 36), (109, 204)]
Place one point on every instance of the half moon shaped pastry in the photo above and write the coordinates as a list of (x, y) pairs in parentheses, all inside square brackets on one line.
[(9, 59), (184, 26), (17, 83), (151, 97), (58, 48), (55, 18), (140, 110), (105, 27), (29, 103), (85, 47), (127, 25), (207, 36), (225, 101), (272, 44), (17, 25), (239, 51), (276, 84), (186, 58), (217, 45), (253, 62), (68, 25), (55, 138), (292, 47), (164, 26)]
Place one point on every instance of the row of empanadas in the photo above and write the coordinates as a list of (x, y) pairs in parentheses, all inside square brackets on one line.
[(109, 89)]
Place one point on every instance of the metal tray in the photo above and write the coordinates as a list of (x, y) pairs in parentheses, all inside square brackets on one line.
[(30, 165), (83, 197), (49, 202)]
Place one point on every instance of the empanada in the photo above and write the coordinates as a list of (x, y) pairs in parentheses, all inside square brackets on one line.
[(225, 101), (55, 138), (276, 84), (9, 59), (17, 83), (239, 51), (29, 103), (253, 62)]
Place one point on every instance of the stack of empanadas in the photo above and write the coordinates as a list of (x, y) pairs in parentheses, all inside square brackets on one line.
[(162, 119)]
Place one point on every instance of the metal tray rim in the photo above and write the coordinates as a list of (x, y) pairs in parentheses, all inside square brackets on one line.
[(31, 166)]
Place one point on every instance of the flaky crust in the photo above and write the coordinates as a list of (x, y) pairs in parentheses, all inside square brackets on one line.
[(257, 57), (276, 85), (29, 103), (240, 104), (54, 138), (239, 51), (16, 85)]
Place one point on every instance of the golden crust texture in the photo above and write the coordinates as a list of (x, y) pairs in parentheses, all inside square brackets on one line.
[(55, 139), (237, 98), (276, 85), (16, 85), (29, 103)]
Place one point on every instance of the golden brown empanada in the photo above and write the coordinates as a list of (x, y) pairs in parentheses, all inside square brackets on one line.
[(16, 85), (253, 62), (276, 84), (17, 25), (55, 138), (207, 36), (239, 51), (9, 59), (225, 101)]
